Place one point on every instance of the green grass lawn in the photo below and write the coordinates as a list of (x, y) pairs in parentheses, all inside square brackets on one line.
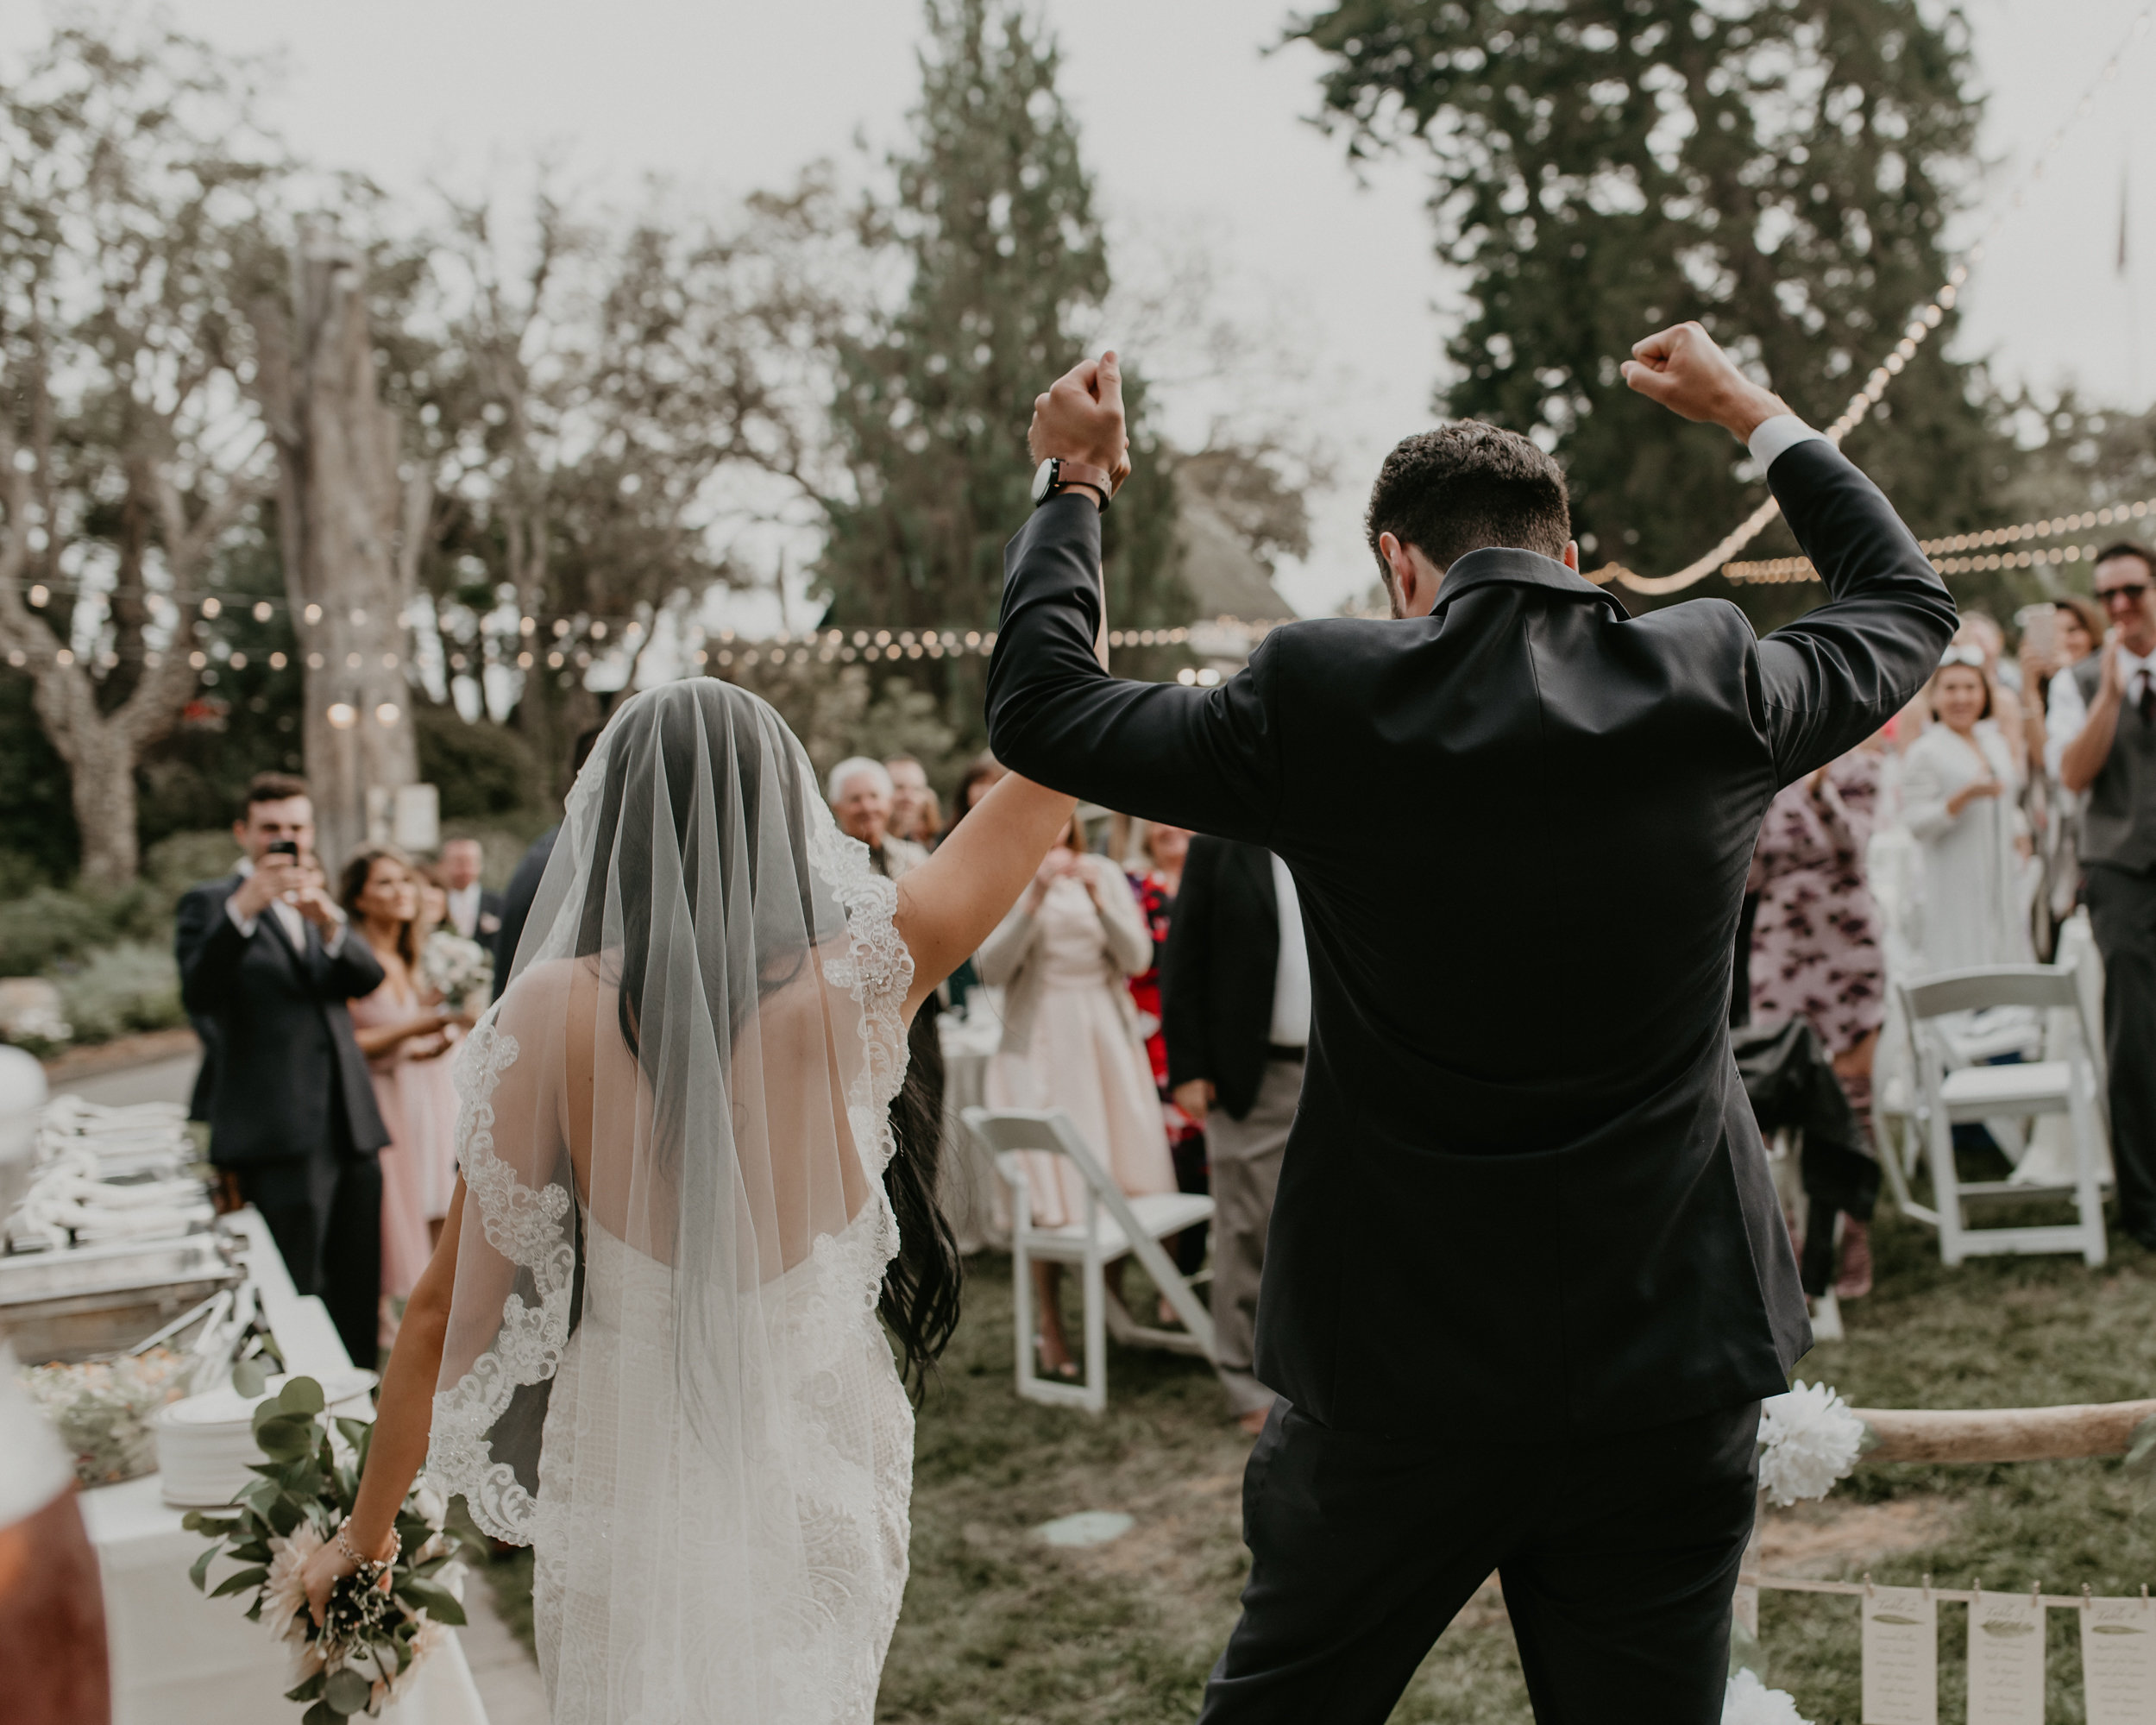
[(999, 1627)]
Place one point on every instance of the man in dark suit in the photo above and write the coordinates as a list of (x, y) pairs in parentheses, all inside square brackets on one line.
[(1235, 1013), (265, 957), (515, 909), (475, 907), (1527, 1281)]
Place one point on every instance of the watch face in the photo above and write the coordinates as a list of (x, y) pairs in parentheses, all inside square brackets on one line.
[(1043, 477)]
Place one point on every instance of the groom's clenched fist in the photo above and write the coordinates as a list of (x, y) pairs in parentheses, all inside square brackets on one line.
[(1081, 418), (1685, 370)]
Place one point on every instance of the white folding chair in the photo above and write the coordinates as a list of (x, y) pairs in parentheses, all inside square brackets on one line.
[(1951, 1094), (1114, 1226)]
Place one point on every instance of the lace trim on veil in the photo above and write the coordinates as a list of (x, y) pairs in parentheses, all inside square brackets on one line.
[(528, 1227)]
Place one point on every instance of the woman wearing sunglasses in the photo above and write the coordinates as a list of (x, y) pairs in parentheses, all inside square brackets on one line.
[(1962, 798)]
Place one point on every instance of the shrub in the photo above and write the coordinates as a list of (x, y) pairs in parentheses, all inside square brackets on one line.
[(480, 770), (132, 986), (46, 924), (172, 865)]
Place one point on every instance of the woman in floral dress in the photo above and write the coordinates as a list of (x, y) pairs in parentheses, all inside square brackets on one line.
[(1816, 952)]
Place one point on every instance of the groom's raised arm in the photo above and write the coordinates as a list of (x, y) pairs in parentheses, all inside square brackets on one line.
[(1200, 758), (1203, 758)]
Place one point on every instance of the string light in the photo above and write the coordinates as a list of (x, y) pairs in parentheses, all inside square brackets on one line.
[(1913, 335)]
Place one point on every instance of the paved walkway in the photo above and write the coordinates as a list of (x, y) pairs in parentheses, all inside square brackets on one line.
[(507, 1676)]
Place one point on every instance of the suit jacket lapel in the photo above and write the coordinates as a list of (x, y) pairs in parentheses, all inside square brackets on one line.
[(300, 958)]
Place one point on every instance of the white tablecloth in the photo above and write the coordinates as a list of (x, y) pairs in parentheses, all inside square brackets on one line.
[(180, 1657)]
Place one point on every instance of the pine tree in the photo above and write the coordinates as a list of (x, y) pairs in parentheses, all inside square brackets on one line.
[(995, 222), (1778, 169)]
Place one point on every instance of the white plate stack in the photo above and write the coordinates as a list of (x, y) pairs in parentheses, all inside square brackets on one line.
[(205, 1444)]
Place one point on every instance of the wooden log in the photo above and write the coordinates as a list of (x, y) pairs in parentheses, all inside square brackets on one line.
[(2003, 1434)]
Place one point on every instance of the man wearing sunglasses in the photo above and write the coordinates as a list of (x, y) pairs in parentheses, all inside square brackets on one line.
[(2113, 759)]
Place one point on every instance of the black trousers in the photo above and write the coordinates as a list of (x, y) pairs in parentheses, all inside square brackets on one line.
[(326, 1213), (2122, 907), (1619, 1556)]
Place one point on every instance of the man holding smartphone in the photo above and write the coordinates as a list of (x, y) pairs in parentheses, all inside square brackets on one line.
[(265, 971)]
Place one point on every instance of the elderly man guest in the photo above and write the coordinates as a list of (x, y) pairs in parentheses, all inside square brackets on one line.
[(474, 912), (2112, 757), (861, 796), (265, 956)]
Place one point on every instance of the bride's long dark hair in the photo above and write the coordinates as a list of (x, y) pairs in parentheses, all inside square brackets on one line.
[(719, 731)]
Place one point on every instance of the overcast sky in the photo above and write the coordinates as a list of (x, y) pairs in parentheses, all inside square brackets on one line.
[(1191, 128)]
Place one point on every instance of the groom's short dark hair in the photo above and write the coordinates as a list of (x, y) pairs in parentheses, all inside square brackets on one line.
[(1465, 486)]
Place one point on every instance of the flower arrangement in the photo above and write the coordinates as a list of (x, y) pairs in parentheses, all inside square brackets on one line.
[(1809, 1439), (102, 1410), (459, 970), (373, 1638)]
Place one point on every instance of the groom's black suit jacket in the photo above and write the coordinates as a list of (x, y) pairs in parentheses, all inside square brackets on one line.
[(1524, 1190)]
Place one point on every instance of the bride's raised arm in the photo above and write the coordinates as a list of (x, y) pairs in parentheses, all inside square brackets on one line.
[(951, 902)]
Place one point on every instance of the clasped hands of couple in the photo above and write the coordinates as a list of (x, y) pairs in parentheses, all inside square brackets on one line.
[(1079, 419)]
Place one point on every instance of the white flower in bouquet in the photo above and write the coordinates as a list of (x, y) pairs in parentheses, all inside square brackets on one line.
[(1809, 1439), (284, 1594), (1749, 1701), (458, 969)]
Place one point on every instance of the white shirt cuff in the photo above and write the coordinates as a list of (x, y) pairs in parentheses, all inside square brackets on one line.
[(334, 943), (244, 924), (1772, 438)]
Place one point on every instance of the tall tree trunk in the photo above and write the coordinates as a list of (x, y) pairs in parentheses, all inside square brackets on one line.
[(350, 531)]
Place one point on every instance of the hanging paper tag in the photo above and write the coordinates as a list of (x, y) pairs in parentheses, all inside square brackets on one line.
[(2006, 1660), (2118, 1661), (1901, 1657)]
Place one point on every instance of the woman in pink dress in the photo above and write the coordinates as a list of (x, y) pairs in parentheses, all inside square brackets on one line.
[(380, 891), (1070, 1041)]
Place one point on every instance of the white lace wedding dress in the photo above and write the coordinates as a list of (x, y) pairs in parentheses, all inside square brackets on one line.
[(735, 1552)]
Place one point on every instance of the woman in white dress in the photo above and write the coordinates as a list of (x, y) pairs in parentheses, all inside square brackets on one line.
[(1960, 793), (649, 1345)]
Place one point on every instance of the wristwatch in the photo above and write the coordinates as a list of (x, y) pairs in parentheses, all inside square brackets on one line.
[(1055, 473)]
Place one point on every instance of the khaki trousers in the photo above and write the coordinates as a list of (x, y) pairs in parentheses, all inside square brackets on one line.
[(1246, 1158)]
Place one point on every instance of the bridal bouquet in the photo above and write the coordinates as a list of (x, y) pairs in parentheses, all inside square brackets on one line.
[(458, 970), (363, 1655)]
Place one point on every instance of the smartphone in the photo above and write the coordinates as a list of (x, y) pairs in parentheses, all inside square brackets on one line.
[(284, 847), (2040, 629)]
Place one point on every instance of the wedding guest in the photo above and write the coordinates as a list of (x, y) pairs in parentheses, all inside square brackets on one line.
[(1161, 850), (911, 801), (2077, 636), (380, 891), (1071, 1041), (2111, 760), (523, 885), (1981, 630), (430, 1090), (474, 912), (267, 958), (974, 783), (1816, 946), (1958, 793), (1237, 990), (860, 794)]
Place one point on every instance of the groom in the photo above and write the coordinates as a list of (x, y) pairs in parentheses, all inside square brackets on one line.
[(1527, 1280)]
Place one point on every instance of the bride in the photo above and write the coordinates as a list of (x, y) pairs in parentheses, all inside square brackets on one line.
[(648, 1344)]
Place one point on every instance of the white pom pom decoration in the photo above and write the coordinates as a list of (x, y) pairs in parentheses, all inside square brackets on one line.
[(1749, 1701), (1809, 1439)]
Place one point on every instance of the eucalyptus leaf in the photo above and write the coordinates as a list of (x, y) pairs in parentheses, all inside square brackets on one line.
[(347, 1692), (438, 1603), (199, 1571), (319, 1714), (239, 1581), (301, 1395), (284, 1440), (248, 1379), (309, 1691)]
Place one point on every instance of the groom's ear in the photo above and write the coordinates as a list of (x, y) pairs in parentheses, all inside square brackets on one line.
[(1572, 556)]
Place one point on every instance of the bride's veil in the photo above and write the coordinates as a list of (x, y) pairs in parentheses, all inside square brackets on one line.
[(672, 1131)]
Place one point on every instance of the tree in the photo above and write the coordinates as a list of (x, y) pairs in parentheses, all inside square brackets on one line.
[(994, 228), (131, 173), (352, 524), (1779, 169)]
